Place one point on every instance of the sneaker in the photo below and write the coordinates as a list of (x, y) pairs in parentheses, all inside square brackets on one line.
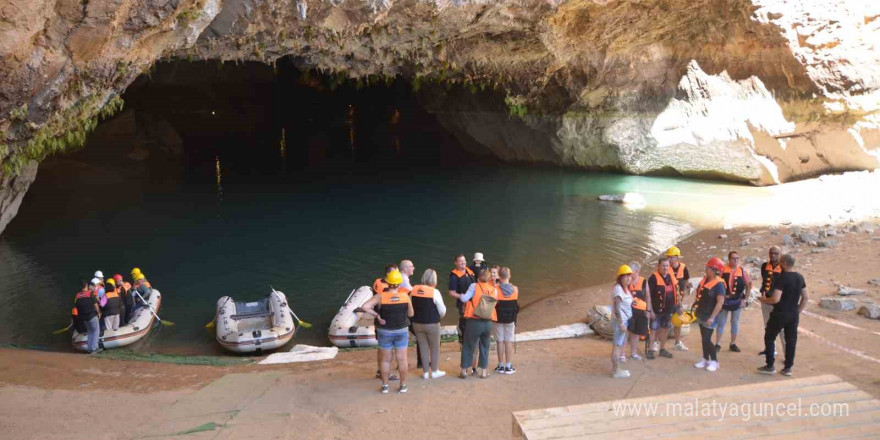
[(717, 348), (426, 375), (702, 364), (622, 358), (635, 357), (499, 369), (680, 346), (620, 374), (734, 348), (384, 389), (438, 374), (402, 389), (649, 355), (655, 346), (712, 366), (509, 370), (666, 354), (473, 371), (766, 369), (764, 353), (786, 372), (378, 374)]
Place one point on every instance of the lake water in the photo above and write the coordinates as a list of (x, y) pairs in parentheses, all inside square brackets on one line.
[(310, 191)]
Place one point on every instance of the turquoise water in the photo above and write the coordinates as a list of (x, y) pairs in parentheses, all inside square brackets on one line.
[(315, 217)]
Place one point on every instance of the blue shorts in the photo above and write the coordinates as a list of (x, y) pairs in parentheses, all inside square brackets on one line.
[(389, 339), (619, 335), (663, 320)]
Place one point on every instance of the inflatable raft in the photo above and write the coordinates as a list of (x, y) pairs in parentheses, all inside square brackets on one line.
[(354, 329), (254, 327), (141, 323)]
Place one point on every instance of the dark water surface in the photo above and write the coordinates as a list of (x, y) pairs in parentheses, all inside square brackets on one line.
[(221, 205)]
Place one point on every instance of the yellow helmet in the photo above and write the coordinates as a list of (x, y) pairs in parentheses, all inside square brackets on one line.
[(139, 277), (110, 281), (685, 318), (135, 271), (673, 252), (394, 277), (624, 270)]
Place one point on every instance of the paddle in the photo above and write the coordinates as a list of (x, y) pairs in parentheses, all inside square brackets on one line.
[(214, 321), (151, 309), (302, 323), (58, 332)]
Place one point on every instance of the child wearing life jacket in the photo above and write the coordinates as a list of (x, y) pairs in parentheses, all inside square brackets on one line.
[(507, 310)]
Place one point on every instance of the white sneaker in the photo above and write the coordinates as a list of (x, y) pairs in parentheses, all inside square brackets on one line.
[(438, 373), (620, 374), (426, 376), (655, 346), (622, 358), (635, 357), (702, 364), (712, 366), (680, 346)]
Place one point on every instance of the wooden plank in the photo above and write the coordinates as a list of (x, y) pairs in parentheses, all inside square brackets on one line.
[(598, 420), (609, 415), (643, 427), (764, 387)]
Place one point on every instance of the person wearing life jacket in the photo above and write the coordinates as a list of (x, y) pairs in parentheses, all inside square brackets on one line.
[(98, 278), (738, 286), (621, 313), (113, 307), (681, 273), (507, 310), (428, 309), (141, 289), (380, 286), (394, 310), (638, 325), (664, 302), (87, 311), (124, 290), (460, 279), (707, 305), (478, 328), (770, 269), (789, 298)]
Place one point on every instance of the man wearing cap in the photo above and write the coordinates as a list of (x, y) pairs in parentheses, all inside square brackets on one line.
[(478, 264)]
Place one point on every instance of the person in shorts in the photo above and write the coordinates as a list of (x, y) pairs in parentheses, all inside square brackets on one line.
[(638, 325), (621, 313), (395, 309), (505, 328), (664, 302)]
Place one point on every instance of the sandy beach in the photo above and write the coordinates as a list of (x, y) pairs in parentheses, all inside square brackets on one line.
[(340, 399)]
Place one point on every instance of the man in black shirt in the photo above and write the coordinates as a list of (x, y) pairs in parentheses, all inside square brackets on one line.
[(789, 298)]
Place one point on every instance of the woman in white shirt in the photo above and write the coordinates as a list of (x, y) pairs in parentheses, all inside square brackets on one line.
[(429, 308), (620, 316)]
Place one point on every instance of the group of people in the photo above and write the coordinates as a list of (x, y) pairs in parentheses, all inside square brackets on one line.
[(107, 304), (646, 309), (486, 300)]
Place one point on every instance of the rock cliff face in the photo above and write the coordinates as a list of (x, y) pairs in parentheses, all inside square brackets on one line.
[(759, 91)]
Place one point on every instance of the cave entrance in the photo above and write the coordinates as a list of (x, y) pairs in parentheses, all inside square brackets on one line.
[(257, 122)]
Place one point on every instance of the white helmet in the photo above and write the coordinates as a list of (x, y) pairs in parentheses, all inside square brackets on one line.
[(99, 274), (96, 281)]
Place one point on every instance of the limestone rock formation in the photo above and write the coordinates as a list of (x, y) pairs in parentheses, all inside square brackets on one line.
[(758, 91)]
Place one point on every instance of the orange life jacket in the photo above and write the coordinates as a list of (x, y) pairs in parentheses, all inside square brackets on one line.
[(480, 289), (767, 271), (461, 273), (507, 308), (658, 299), (736, 286), (425, 311), (394, 307), (637, 290), (379, 286), (704, 288)]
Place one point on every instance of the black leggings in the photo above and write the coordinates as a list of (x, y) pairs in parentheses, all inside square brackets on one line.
[(708, 345)]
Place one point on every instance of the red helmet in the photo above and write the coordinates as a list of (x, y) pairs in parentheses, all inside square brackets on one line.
[(716, 263), (117, 277)]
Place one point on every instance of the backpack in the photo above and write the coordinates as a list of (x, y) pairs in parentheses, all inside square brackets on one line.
[(485, 307)]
